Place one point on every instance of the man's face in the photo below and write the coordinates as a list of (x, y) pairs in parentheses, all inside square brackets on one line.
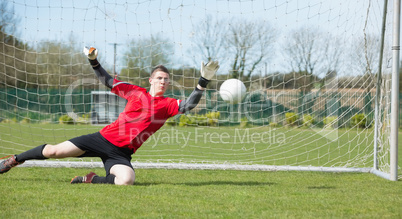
[(159, 83)]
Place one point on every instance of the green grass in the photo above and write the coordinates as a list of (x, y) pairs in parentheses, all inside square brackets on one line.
[(46, 193), (261, 145)]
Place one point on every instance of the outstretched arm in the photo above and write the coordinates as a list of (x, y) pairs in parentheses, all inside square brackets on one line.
[(192, 100), (100, 72), (207, 72)]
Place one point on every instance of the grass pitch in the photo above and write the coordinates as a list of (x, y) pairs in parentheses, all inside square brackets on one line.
[(46, 193), (254, 145)]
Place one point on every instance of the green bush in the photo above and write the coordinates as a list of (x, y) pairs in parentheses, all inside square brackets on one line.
[(183, 121), (213, 118), (83, 120), (308, 120), (171, 121), (209, 119), (10, 121), (65, 119), (25, 120), (244, 122), (291, 118), (186, 120), (273, 124), (330, 121), (359, 121), (199, 120)]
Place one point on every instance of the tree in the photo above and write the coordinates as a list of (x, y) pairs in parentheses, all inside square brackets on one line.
[(245, 44), (250, 43), (8, 23), (142, 56), (365, 57), (365, 54), (311, 52), (303, 54), (208, 38), (13, 70), (59, 64)]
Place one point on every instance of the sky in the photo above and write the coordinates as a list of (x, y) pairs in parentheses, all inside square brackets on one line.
[(101, 23)]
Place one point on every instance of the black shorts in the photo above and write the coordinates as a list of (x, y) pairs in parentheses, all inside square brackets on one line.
[(95, 145)]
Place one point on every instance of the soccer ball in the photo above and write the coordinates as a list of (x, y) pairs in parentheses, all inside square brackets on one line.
[(232, 91)]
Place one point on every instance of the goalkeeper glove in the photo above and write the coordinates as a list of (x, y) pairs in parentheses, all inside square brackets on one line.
[(207, 72), (91, 53)]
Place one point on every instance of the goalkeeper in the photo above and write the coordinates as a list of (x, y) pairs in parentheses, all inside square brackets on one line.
[(144, 113)]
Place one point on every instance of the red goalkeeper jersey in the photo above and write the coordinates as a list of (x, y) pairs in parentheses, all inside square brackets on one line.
[(142, 116)]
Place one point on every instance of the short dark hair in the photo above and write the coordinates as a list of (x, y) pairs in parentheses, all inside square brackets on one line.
[(160, 68)]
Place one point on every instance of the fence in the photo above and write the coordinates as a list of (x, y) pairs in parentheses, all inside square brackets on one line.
[(40, 104), (258, 106)]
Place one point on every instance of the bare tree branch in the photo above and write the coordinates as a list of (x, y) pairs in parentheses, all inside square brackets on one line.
[(252, 43), (208, 37), (311, 52)]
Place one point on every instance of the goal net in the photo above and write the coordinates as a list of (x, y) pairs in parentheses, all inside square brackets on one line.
[(318, 78)]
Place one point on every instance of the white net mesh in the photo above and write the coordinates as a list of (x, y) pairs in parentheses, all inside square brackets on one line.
[(310, 69)]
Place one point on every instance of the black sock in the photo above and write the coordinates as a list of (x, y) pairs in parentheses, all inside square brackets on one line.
[(109, 179), (34, 153)]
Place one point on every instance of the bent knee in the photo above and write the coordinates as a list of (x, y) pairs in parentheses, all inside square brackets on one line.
[(125, 175), (124, 180)]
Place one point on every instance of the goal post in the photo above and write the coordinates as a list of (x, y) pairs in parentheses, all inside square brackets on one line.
[(322, 81), (395, 92)]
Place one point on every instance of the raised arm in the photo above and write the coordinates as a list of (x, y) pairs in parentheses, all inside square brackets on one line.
[(207, 73), (101, 73)]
